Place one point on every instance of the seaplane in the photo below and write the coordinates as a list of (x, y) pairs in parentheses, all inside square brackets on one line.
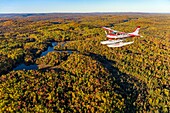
[(117, 38)]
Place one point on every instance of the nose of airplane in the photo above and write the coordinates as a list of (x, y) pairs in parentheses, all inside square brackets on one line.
[(108, 36)]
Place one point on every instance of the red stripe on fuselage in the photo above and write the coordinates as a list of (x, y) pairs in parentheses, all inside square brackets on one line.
[(132, 35), (112, 34)]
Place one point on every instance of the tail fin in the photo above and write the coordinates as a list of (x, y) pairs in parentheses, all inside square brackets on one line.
[(136, 30)]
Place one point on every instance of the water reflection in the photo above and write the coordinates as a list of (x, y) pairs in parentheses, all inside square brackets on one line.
[(50, 49), (25, 67), (34, 66)]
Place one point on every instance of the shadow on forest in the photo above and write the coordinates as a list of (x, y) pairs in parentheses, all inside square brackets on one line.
[(133, 91), (130, 88)]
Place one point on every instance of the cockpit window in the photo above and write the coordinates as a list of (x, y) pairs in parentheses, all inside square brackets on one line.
[(113, 32)]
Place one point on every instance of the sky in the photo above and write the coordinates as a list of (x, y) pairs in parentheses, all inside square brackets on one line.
[(83, 6)]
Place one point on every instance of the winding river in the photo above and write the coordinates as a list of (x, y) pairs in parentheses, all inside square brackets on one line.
[(23, 66), (50, 49)]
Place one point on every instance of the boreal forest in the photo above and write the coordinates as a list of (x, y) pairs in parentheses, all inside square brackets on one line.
[(73, 72)]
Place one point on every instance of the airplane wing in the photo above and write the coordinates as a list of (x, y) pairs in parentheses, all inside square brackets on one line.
[(109, 29), (106, 28)]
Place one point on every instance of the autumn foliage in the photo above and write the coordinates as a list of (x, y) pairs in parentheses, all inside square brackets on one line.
[(82, 75)]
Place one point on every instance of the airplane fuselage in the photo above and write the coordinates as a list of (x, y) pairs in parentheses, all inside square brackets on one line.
[(112, 36)]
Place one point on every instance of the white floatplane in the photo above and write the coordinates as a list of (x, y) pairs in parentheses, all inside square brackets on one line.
[(115, 38)]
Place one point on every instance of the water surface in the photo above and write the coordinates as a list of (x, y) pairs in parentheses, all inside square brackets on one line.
[(26, 67), (35, 66)]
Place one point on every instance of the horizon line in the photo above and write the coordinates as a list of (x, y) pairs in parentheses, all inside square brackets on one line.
[(80, 12)]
